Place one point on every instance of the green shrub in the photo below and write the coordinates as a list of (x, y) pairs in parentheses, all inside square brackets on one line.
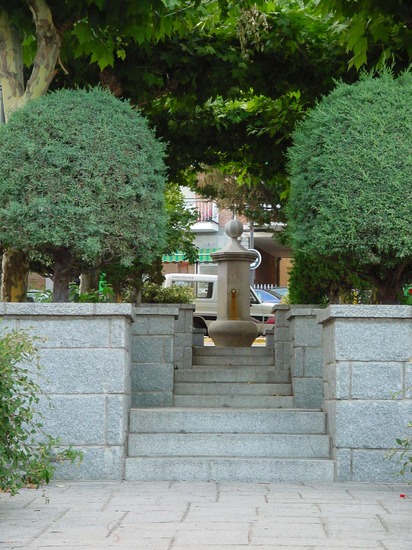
[(407, 295), (314, 280), (28, 455), (351, 193), (82, 184), (306, 285), (175, 294), (40, 296), (103, 295)]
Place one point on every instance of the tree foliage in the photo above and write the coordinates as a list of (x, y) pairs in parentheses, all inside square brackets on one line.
[(376, 32), (82, 182), (350, 168), (239, 119), (320, 280), (127, 281), (223, 82), (178, 234), (43, 35)]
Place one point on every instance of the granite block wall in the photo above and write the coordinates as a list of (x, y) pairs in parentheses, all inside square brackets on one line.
[(183, 337), (86, 377), (368, 398), (99, 359)]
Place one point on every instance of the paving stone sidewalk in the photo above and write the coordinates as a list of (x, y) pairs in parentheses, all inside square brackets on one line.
[(206, 516)]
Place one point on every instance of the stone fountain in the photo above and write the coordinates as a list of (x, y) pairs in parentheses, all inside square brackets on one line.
[(233, 326)]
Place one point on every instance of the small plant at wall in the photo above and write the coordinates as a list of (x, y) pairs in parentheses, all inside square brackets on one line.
[(175, 294), (402, 454), (102, 295), (28, 455), (407, 295)]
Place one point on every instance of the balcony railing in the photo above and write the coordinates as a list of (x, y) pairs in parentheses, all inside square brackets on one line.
[(207, 210)]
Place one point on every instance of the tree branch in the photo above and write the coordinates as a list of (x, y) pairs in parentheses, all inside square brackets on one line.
[(48, 50)]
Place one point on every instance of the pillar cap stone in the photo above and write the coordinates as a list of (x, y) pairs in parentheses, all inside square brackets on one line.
[(234, 228), (233, 251)]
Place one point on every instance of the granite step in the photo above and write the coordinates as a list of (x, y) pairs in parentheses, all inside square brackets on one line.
[(184, 420), (215, 357), (230, 388), (237, 401), (223, 444), (232, 374), (244, 470), (245, 445)]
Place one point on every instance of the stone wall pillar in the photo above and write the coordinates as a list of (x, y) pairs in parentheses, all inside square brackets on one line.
[(281, 337), (153, 355), (161, 343), (183, 337), (368, 379), (306, 360), (86, 359)]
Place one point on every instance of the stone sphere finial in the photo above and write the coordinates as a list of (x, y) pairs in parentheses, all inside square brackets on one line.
[(234, 228)]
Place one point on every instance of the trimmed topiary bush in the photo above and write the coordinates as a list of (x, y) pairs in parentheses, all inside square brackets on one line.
[(351, 190), (314, 280), (81, 183)]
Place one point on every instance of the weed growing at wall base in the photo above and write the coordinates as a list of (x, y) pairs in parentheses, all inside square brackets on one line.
[(28, 455), (402, 455)]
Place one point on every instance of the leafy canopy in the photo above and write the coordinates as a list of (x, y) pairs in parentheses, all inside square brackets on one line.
[(265, 63), (350, 168), (375, 32), (239, 119)]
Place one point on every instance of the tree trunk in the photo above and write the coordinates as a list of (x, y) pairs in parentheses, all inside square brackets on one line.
[(89, 281), (14, 277), (11, 66), (63, 274), (389, 288), (15, 95), (387, 296)]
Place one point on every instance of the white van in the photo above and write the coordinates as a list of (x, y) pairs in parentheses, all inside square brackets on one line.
[(205, 299)]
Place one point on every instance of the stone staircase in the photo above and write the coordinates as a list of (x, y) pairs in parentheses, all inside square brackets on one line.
[(232, 420), (225, 377)]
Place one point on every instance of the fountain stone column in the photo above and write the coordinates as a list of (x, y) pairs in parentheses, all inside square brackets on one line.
[(233, 326)]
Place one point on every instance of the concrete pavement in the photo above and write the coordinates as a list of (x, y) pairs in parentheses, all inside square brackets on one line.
[(208, 516)]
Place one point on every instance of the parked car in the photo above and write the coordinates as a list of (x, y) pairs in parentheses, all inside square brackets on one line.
[(205, 300), (277, 292), (267, 296)]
